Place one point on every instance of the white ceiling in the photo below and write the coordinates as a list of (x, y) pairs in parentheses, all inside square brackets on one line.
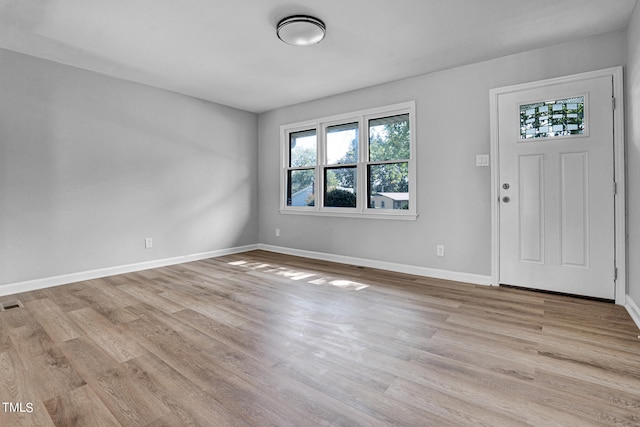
[(226, 51)]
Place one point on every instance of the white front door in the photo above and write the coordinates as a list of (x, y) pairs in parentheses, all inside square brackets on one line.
[(556, 175)]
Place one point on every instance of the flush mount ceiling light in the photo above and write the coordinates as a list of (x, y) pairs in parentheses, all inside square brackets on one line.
[(301, 30)]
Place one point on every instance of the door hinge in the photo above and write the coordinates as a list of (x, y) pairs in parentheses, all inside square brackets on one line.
[(615, 188), (613, 102), (615, 273)]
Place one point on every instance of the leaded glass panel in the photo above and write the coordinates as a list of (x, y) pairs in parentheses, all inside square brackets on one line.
[(560, 117)]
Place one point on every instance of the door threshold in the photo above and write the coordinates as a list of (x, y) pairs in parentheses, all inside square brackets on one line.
[(563, 294)]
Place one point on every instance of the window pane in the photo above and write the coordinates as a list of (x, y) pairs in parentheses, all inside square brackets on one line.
[(342, 144), (388, 186), (552, 118), (340, 187), (302, 148), (301, 187), (389, 138)]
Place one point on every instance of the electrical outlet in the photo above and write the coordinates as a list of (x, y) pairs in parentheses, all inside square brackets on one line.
[(440, 250), (277, 232), (482, 160), (148, 243)]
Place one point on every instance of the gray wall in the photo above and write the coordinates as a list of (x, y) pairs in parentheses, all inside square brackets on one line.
[(452, 127), (632, 111), (91, 165)]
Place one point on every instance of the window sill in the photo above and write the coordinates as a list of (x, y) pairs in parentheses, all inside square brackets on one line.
[(343, 214)]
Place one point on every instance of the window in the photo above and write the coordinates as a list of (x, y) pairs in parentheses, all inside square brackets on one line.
[(388, 167), (340, 182), (359, 164), (301, 171)]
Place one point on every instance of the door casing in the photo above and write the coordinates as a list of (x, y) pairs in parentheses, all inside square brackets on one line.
[(619, 170)]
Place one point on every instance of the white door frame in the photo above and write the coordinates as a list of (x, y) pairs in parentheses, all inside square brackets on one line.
[(619, 171)]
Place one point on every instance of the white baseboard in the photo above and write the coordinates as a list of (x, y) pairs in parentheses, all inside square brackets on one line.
[(633, 309), (477, 279), (32, 285)]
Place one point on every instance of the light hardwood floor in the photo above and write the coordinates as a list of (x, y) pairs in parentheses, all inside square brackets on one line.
[(262, 339)]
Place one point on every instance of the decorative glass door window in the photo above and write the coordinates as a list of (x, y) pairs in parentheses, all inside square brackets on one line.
[(561, 117)]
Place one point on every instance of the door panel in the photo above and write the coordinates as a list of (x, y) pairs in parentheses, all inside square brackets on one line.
[(556, 210), (574, 213), (531, 208)]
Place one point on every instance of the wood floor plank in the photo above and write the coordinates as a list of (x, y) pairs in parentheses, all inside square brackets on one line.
[(588, 374), (589, 354), (584, 409), (549, 415), (472, 383), (153, 329), (596, 336), (128, 400), (142, 294), (598, 396), (373, 403), (244, 339), (78, 408), (16, 388), (107, 336), (189, 404), (205, 370), (107, 287), (53, 320), (210, 307), (16, 318), (63, 298), (261, 339), (49, 369), (24, 296), (93, 297), (488, 353), (456, 411), (305, 404), (5, 340)]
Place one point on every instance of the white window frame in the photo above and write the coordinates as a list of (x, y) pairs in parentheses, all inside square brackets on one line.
[(362, 210)]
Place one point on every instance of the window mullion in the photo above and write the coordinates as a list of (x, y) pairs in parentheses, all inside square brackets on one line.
[(322, 161), (361, 187), (390, 162)]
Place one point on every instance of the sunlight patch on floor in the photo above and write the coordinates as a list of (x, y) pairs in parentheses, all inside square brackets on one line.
[(344, 284), (294, 275), (302, 275)]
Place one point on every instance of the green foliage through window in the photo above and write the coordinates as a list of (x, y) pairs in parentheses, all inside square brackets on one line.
[(388, 179), (372, 147), (389, 138), (339, 198)]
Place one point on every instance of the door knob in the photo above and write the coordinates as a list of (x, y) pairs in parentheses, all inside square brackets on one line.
[(506, 199)]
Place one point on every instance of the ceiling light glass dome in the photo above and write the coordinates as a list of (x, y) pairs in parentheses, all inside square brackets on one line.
[(301, 30)]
